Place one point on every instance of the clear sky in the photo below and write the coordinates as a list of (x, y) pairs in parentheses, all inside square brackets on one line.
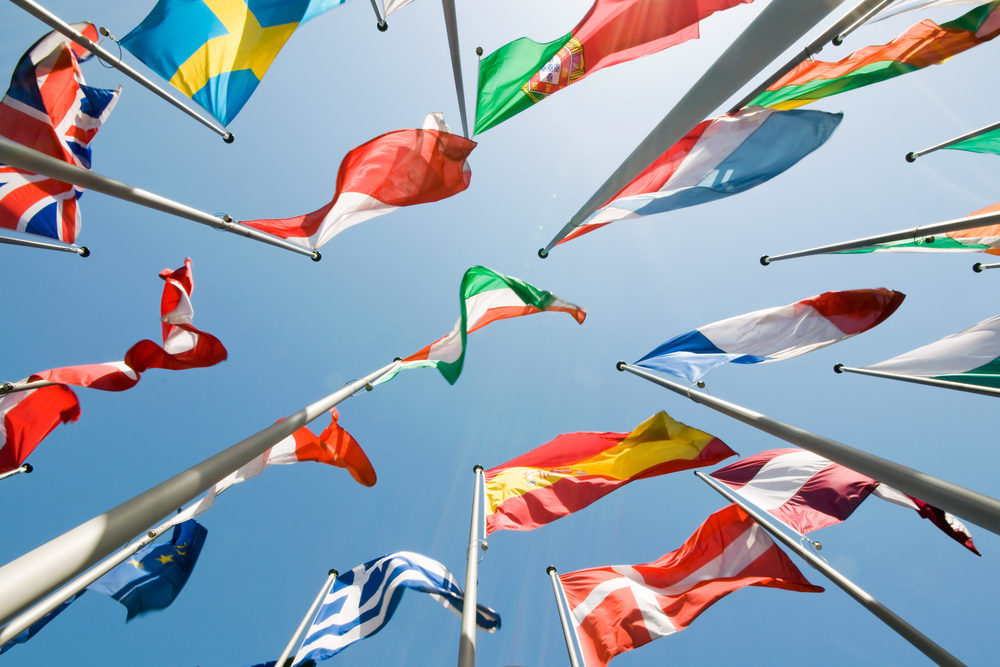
[(297, 330)]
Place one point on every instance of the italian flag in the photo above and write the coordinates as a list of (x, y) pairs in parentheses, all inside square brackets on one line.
[(976, 239), (484, 297), (971, 356), (926, 43)]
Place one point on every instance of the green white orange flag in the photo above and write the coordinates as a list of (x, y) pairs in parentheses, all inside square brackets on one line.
[(485, 296), (971, 356), (976, 239), (926, 43), (987, 142), (524, 72), (575, 469)]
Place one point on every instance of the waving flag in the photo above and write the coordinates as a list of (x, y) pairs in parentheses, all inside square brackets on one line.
[(987, 142), (49, 108), (806, 491), (400, 168), (773, 334), (926, 43), (29, 416), (975, 239), (363, 600), (575, 469), (485, 296), (524, 72), (720, 157), (621, 607)]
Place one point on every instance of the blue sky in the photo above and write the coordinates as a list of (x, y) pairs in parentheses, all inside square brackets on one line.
[(297, 330)]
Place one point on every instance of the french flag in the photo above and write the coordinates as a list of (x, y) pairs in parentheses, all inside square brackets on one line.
[(773, 334)]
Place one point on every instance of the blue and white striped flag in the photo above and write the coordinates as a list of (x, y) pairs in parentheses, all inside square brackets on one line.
[(363, 600)]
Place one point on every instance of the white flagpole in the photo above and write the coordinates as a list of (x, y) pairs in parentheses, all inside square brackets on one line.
[(916, 379), (25, 468), (306, 620), (82, 251), (22, 157), (12, 387), (563, 621), (451, 25), (382, 27), (27, 579), (54, 22), (927, 232), (467, 638), (913, 155), (976, 507), (839, 39), (918, 639), (778, 26), (979, 267)]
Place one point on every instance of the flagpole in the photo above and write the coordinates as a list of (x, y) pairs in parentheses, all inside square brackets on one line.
[(25, 468), (927, 231), (451, 25), (82, 251), (915, 379), (913, 155), (381, 25), (976, 507), (306, 620), (779, 25), (54, 22), (22, 157), (854, 18), (467, 638), (27, 579), (979, 267), (557, 590), (918, 639), (12, 387)]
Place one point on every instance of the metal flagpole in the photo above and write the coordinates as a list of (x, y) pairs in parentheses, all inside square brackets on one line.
[(306, 620), (27, 579), (56, 23), (381, 25), (560, 596), (779, 25), (913, 155), (979, 267), (944, 384), (918, 639), (451, 25), (467, 639), (927, 232), (82, 251), (854, 18), (22, 157), (12, 387), (25, 468), (976, 507)]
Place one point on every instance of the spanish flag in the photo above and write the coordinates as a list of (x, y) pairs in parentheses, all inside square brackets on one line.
[(575, 469)]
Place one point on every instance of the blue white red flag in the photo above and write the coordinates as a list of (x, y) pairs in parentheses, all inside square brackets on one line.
[(362, 601), (48, 107)]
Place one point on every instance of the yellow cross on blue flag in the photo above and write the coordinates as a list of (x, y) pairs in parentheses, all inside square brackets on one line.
[(215, 51)]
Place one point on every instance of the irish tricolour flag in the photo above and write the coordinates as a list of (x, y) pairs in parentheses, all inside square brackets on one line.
[(485, 296)]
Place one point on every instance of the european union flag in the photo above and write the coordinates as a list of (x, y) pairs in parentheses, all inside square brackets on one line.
[(153, 577), (215, 51)]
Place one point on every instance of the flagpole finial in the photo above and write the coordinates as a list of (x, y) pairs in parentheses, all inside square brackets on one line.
[(621, 365), (479, 51), (911, 157), (382, 26), (838, 368), (978, 267), (477, 468), (84, 251), (316, 256), (228, 137), (543, 253), (764, 260), (27, 468), (333, 573), (551, 569)]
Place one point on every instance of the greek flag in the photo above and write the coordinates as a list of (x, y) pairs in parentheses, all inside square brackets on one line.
[(362, 601)]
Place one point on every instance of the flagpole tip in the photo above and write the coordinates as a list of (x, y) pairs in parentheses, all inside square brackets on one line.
[(479, 51), (764, 260), (382, 26), (333, 573), (621, 365), (838, 368), (316, 256), (84, 251), (911, 157), (551, 569), (477, 468), (228, 137), (543, 253), (977, 267), (27, 468), (838, 40)]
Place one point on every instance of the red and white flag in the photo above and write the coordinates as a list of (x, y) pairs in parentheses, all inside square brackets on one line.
[(29, 416), (806, 491), (400, 168), (621, 607)]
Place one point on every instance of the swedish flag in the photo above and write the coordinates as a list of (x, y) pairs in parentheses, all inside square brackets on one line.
[(215, 51)]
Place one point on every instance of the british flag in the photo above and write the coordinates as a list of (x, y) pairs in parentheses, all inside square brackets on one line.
[(48, 107)]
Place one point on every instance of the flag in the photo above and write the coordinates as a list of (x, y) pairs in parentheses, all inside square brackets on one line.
[(363, 600), (975, 239), (214, 51), (400, 168), (720, 157), (902, 6), (987, 142), (971, 356), (29, 416), (926, 43), (37, 626), (575, 469), (773, 334), (317, 7), (621, 607), (154, 576), (485, 296), (523, 72), (49, 108), (806, 491)]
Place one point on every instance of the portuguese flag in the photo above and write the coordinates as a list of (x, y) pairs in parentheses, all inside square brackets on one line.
[(926, 43), (524, 72)]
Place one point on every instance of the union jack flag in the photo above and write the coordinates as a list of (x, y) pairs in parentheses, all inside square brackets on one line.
[(48, 107)]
